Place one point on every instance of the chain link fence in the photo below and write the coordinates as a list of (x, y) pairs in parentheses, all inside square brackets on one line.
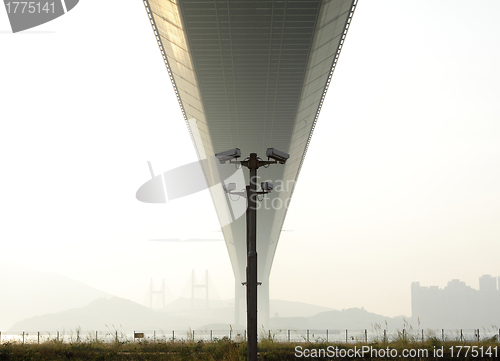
[(279, 335)]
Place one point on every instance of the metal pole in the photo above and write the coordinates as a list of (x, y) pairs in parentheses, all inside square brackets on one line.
[(253, 164)]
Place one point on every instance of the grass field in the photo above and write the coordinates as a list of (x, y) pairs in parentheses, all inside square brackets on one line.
[(224, 349)]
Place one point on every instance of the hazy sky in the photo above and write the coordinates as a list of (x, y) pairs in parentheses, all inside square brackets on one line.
[(400, 184)]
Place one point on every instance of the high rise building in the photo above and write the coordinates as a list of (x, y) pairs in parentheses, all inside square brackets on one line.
[(457, 305)]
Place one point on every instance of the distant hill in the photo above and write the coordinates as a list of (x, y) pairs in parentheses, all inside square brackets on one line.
[(279, 307), (295, 309), (113, 314), (222, 311), (101, 314), (126, 316), (183, 305), (353, 318), (357, 318), (25, 293)]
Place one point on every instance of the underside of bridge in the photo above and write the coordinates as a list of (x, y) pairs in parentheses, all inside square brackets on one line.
[(251, 75)]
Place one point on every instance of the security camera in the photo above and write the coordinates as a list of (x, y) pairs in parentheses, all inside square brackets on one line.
[(228, 155), (277, 155), (229, 187), (266, 186)]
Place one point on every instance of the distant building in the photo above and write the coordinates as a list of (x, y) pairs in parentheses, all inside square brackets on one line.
[(487, 283), (457, 305)]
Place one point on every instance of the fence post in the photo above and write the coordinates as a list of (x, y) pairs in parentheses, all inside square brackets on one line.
[(77, 335), (38, 337), (385, 335), (461, 335), (154, 336), (442, 334), (230, 333), (478, 335), (366, 336), (327, 335), (57, 335), (307, 335), (173, 335), (211, 339), (289, 335), (422, 335), (23, 338), (116, 336), (96, 336), (345, 336)]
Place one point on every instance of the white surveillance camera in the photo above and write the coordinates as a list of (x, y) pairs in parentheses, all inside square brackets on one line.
[(228, 155), (266, 186), (229, 187), (277, 155)]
